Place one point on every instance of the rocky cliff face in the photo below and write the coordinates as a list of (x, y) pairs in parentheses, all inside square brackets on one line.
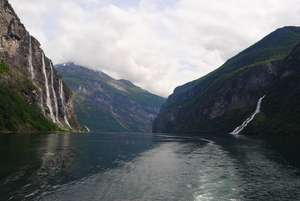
[(31, 72), (223, 99), (105, 104)]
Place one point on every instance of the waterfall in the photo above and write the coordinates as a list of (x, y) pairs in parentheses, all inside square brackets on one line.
[(54, 94), (87, 128), (238, 129), (61, 94), (41, 102), (48, 98), (31, 69), (30, 60)]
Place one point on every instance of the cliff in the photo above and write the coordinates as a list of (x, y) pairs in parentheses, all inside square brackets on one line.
[(223, 99), (103, 103), (27, 75)]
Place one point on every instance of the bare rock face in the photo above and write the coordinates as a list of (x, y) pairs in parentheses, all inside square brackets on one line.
[(32, 72)]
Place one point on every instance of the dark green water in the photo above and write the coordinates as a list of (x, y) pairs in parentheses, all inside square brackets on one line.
[(127, 166)]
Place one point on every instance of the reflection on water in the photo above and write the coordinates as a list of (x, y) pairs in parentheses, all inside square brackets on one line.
[(125, 166), (28, 161)]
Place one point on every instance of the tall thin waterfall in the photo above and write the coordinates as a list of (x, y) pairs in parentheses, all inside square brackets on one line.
[(61, 94), (30, 60), (41, 101), (48, 99), (54, 94), (238, 129), (32, 74)]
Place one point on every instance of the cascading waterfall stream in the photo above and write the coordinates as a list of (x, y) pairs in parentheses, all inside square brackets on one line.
[(30, 60), (88, 130), (32, 74), (48, 100), (61, 94), (238, 129), (54, 95), (41, 101)]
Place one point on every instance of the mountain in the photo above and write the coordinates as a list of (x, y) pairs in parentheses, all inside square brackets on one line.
[(33, 95), (105, 104), (226, 97)]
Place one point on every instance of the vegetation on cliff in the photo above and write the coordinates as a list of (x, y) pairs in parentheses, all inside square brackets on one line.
[(223, 99), (105, 104), (18, 115), (281, 109), (26, 71)]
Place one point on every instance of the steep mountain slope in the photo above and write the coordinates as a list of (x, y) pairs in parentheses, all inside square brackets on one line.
[(223, 99), (281, 114), (33, 96), (105, 104)]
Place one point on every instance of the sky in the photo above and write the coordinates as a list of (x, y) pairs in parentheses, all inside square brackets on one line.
[(156, 44)]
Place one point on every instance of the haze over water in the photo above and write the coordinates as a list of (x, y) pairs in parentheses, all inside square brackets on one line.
[(127, 166)]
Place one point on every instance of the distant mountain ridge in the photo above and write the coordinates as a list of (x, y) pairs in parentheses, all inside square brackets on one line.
[(103, 103), (224, 98)]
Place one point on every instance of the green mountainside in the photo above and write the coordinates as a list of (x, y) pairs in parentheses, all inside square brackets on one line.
[(105, 104), (224, 98), (33, 96), (281, 113), (18, 115)]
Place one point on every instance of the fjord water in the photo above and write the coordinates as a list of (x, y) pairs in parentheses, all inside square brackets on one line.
[(128, 166)]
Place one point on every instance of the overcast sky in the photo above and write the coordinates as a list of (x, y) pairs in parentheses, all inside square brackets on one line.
[(156, 44)]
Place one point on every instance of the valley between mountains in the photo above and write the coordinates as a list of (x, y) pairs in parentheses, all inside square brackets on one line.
[(39, 96), (103, 103)]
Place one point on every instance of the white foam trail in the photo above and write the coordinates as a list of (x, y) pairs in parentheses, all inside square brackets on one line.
[(61, 94), (48, 99), (238, 129)]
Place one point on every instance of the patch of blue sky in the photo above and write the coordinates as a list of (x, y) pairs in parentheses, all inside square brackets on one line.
[(160, 4), (90, 5), (163, 31), (176, 77), (122, 4), (187, 67), (164, 4), (49, 26)]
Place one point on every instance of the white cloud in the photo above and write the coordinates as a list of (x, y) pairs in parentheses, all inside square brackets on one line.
[(156, 44)]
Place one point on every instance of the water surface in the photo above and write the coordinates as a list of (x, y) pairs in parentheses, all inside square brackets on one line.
[(128, 166)]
